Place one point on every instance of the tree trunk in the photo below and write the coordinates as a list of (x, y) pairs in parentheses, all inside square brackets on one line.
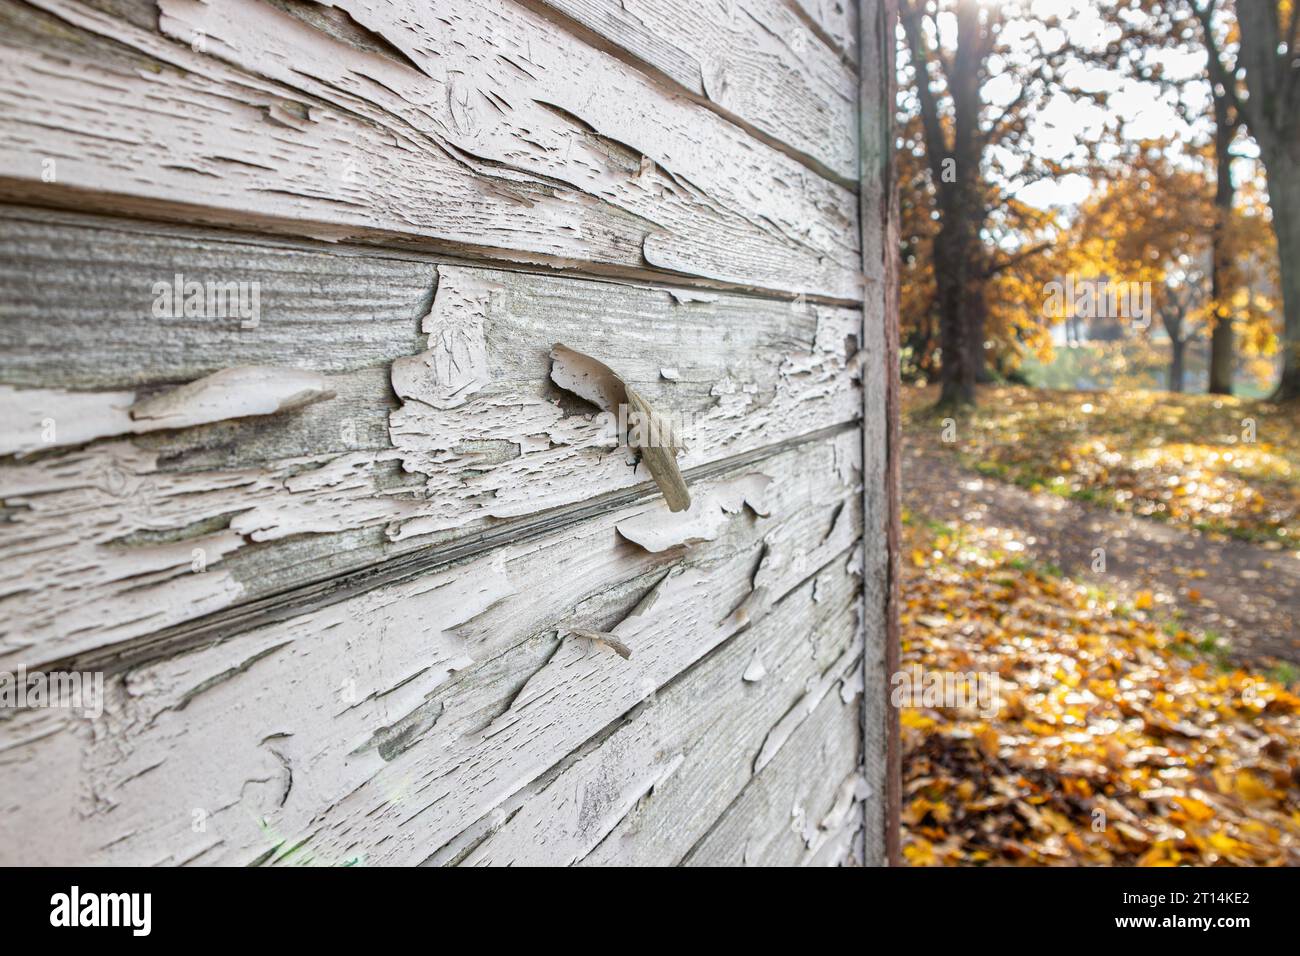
[(1275, 124), (957, 258), (1177, 360), (1222, 351), (977, 307), (956, 364), (1222, 354), (1284, 199)]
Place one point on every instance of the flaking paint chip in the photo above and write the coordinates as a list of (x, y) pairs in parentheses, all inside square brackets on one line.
[(595, 381), (233, 393), (602, 637), (704, 520)]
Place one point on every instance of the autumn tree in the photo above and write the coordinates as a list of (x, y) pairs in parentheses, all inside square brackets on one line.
[(1254, 65), (1147, 231), (1270, 30), (1154, 227), (974, 75), (1145, 29)]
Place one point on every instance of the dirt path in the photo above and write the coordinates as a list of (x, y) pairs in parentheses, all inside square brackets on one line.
[(1249, 595)]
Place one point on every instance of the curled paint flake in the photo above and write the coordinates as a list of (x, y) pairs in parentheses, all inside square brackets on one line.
[(602, 637), (591, 379), (233, 393)]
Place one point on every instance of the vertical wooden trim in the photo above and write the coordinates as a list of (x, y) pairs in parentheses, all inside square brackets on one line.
[(880, 244), (889, 230)]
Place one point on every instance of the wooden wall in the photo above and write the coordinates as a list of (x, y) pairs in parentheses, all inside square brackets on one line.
[(340, 632)]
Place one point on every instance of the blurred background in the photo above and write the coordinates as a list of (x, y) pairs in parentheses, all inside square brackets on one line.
[(1100, 325)]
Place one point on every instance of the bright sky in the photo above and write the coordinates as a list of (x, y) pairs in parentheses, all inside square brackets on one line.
[(1141, 108)]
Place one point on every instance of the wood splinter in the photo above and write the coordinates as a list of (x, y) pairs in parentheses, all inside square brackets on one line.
[(595, 381), (602, 637)]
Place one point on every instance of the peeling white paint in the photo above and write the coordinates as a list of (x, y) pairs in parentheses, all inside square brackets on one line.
[(349, 719), (485, 134), (45, 418), (687, 296), (817, 689), (656, 529), (455, 366), (233, 393), (453, 715), (507, 451)]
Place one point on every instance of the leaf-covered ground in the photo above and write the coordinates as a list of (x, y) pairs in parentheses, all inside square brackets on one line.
[(1218, 464), (1115, 739), (1241, 596), (1124, 731)]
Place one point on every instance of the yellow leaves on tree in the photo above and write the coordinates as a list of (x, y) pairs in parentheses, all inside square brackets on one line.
[(1153, 224)]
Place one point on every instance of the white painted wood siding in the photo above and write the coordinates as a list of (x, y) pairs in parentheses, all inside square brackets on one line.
[(328, 558)]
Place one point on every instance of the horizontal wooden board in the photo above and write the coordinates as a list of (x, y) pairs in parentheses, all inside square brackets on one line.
[(756, 60), (380, 728), (651, 789), (100, 542), (804, 807), (837, 20), (467, 126)]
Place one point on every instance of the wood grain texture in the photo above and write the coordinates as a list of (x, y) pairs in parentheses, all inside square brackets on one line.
[(272, 503), (647, 792), (471, 126), (837, 20), (803, 808), (882, 438), (757, 61), (380, 728), (76, 296)]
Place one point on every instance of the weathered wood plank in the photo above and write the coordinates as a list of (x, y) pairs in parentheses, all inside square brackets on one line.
[(837, 20), (476, 126), (77, 304), (100, 542), (380, 728), (804, 807), (646, 793), (757, 60), (881, 506)]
